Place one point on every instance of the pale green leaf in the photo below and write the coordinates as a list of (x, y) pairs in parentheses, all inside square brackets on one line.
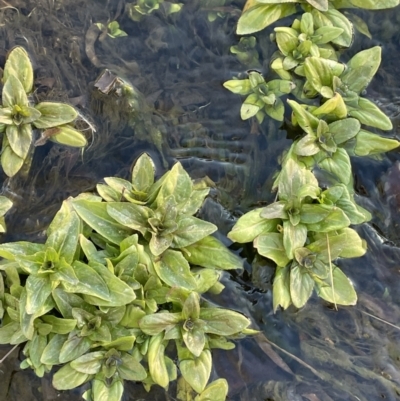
[(54, 114), (19, 66)]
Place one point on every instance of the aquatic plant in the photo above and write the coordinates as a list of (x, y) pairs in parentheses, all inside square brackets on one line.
[(307, 228), (5, 206), (263, 97), (116, 290), (113, 30), (18, 117), (141, 8)]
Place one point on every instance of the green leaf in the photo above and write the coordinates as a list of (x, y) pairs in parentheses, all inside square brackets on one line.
[(341, 293), (281, 288), (343, 130), (10, 161), (216, 391), (260, 16), (174, 270), (156, 361), (191, 230), (194, 339), (197, 371), (320, 72), (361, 68), (223, 322), (20, 139), (51, 354), (251, 106), (65, 239), (90, 282), (326, 34), (239, 86), (130, 215), (375, 4), (143, 173), (89, 363), (14, 94), (96, 216), (59, 326), (271, 246), (102, 391), (336, 220), (157, 322), (210, 252), (368, 144), (307, 146), (54, 114), (178, 184), (293, 237), (19, 66), (321, 5), (251, 225), (339, 165), (301, 286), (276, 111), (68, 378), (12, 250), (73, 348), (67, 135), (131, 369), (369, 114), (305, 119), (360, 24), (119, 294), (37, 291), (335, 18)]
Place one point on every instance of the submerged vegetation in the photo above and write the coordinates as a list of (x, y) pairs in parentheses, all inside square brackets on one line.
[(125, 286), (18, 118), (307, 228)]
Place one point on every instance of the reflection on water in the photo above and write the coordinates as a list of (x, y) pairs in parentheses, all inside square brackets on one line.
[(179, 110)]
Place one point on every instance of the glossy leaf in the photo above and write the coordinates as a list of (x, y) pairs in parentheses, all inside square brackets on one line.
[(10, 161), (339, 165), (131, 369), (301, 286), (20, 139), (342, 292), (102, 391), (67, 135), (156, 361), (210, 252), (89, 363), (143, 173), (271, 246), (96, 216), (293, 237), (281, 288), (157, 322), (251, 225), (216, 391), (223, 322), (14, 93), (239, 86), (368, 143), (197, 371), (174, 270), (19, 66), (54, 114), (68, 378), (361, 68), (190, 230), (369, 114), (260, 16)]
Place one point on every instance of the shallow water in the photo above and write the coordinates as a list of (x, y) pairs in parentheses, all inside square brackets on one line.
[(178, 65)]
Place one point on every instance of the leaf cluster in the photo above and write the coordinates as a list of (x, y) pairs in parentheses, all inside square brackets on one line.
[(117, 287), (308, 226), (137, 11), (19, 117)]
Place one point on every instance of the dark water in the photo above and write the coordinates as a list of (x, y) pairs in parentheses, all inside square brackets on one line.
[(178, 64)]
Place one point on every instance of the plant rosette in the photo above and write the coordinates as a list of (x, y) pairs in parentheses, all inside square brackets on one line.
[(18, 117)]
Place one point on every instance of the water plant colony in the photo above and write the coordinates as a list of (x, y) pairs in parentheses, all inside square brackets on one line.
[(116, 291)]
